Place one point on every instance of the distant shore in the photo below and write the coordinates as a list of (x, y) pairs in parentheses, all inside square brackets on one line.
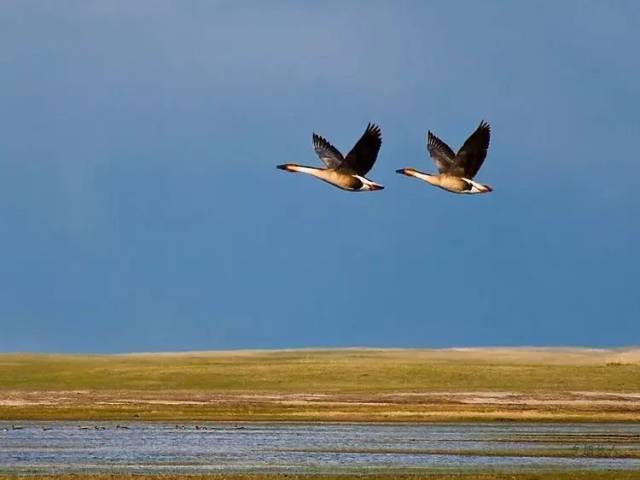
[(342, 385)]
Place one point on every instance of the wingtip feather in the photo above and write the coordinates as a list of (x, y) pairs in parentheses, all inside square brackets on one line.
[(318, 140), (375, 129)]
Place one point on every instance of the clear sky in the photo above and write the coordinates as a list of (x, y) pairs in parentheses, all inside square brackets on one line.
[(141, 210)]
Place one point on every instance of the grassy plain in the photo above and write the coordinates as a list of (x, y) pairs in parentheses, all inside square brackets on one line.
[(326, 385)]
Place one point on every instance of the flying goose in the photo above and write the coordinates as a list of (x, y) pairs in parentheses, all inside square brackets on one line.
[(456, 170), (345, 173)]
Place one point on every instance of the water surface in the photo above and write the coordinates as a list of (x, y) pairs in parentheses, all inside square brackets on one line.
[(73, 447)]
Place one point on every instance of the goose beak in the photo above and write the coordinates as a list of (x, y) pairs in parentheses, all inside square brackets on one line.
[(401, 171), (288, 167)]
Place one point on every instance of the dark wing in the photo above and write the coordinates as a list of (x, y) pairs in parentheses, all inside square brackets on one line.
[(329, 154), (474, 151), (364, 153), (440, 153)]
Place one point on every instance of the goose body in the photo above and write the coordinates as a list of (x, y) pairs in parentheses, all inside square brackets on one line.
[(347, 173), (456, 170)]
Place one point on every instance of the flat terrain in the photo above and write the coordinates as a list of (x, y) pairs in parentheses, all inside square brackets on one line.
[(559, 475), (326, 385)]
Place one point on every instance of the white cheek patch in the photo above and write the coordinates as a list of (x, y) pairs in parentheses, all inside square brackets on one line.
[(420, 176), (301, 169)]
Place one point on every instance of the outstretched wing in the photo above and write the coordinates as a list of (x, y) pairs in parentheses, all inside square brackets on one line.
[(472, 154), (364, 153), (329, 154), (440, 153)]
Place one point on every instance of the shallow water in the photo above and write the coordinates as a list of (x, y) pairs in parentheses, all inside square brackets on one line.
[(73, 447)]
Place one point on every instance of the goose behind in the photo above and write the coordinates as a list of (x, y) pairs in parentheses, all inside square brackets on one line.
[(456, 170), (347, 173)]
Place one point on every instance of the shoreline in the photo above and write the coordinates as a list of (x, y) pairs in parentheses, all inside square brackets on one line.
[(398, 407)]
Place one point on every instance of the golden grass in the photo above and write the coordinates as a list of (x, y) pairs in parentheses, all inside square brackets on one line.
[(364, 370), (327, 385)]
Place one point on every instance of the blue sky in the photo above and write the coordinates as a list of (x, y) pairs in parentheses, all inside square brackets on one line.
[(140, 207)]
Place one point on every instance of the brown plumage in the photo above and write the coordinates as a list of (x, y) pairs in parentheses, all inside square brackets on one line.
[(456, 170), (347, 173)]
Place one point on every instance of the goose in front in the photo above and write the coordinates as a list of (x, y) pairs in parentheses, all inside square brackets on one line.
[(347, 173), (456, 170)]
